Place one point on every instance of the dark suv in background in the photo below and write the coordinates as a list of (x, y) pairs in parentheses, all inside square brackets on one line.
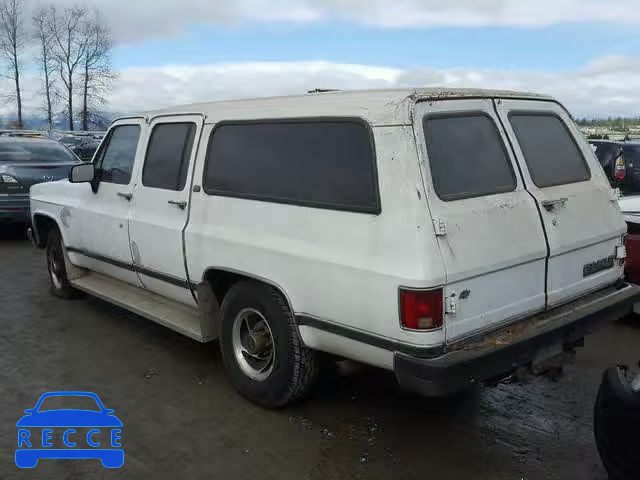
[(621, 162), (83, 147)]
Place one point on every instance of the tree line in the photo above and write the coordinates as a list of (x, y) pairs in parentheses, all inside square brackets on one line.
[(614, 123), (72, 53)]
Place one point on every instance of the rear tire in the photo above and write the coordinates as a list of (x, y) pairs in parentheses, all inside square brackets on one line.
[(616, 425), (59, 285), (264, 357)]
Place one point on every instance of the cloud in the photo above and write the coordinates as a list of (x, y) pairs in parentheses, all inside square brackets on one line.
[(606, 86), (133, 20)]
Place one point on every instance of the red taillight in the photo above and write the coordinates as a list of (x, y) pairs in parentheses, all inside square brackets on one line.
[(632, 266), (620, 171), (421, 309)]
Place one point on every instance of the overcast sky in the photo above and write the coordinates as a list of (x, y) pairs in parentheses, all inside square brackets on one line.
[(585, 52)]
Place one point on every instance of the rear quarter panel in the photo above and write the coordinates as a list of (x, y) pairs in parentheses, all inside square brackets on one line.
[(338, 266)]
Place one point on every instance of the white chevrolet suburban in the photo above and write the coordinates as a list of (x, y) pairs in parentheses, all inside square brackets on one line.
[(452, 236)]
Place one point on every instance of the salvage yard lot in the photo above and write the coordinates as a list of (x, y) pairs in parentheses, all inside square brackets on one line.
[(183, 420)]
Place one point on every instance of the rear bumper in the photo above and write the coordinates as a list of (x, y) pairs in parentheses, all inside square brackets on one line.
[(497, 354), (15, 208)]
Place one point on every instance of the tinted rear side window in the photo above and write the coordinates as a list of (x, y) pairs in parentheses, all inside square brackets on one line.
[(168, 156), (467, 157), (551, 153), (327, 164)]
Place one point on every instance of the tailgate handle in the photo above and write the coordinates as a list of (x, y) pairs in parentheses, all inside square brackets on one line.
[(551, 204)]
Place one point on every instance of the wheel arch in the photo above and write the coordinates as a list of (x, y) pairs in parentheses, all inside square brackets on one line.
[(221, 279), (42, 225)]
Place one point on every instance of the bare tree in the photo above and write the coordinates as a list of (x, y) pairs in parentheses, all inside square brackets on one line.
[(96, 71), (11, 45), (43, 36), (70, 45)]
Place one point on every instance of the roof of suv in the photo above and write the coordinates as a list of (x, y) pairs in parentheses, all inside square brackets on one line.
[(379, 107)]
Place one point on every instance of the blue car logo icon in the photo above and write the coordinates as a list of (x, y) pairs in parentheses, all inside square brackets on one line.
[(69, 433)]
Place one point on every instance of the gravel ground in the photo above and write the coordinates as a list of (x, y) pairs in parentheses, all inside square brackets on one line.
[(183, 420)]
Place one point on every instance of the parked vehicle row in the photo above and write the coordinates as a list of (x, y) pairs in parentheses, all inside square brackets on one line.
[(29, 157), (451, 236), (83, 146), (23, 163), (621, 163)]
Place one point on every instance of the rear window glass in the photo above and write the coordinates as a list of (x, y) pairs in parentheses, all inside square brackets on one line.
[(326, 164), (467, 157), (632, 155), (607, 153), (35, 151), (551, 153)]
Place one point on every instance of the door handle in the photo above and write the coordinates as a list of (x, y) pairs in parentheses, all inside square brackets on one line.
[(126, 196), (181, 204), (551, 204)]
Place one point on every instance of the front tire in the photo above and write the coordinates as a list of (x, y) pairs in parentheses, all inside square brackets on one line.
[(59, 285), (264, 357)]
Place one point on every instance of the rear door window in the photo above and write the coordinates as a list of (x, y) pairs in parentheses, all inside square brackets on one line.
[(467, 157), (168, 155), (549, 149)]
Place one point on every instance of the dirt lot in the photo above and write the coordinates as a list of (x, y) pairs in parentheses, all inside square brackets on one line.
[(182, 419)]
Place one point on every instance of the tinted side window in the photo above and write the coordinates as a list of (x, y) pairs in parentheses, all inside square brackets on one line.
[(327, 164), (467, 156), (117, 158), (168, 155), (551, 153)]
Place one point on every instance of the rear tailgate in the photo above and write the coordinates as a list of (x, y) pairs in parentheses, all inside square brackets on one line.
[(488, 228), (579, 212)]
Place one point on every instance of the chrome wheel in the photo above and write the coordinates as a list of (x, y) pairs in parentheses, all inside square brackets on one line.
[(635, 383), (253, 344), (56, 268)]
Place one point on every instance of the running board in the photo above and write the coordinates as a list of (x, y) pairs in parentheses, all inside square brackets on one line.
[(170, 313)]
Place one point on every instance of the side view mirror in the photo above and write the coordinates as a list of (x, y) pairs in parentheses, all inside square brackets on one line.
[(29, 411), (83, 173)]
